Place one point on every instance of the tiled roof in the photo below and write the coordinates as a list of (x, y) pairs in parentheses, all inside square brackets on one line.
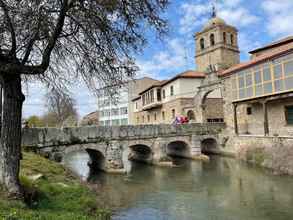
[(156, 84), (186, 74), (274, 44), (259, 59)]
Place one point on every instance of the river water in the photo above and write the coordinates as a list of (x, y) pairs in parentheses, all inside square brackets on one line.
[(223, 189)]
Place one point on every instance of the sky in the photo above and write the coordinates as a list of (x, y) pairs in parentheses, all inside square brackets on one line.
[(259, 22)]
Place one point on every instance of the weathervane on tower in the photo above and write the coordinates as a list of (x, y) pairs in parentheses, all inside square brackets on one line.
[(214, 9)]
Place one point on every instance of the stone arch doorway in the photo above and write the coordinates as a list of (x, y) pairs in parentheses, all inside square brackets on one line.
[(178, 149), (97, 161), (212, 105), (208, 102), (209, 146), (191, 115), (140, 153)]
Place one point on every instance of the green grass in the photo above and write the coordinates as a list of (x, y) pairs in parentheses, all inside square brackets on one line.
[(57, 195)]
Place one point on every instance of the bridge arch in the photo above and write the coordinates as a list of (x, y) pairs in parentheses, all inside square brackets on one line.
[(140, 153), (97, 160), (209, 146), (178, 149)]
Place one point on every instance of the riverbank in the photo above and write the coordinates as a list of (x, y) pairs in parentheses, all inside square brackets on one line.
[(52, 192)]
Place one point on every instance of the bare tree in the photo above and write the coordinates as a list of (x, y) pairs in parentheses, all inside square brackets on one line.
[(61, 107), (58, 42)]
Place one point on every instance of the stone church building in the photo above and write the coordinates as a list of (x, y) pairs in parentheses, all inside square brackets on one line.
[(252, 98), (257, 95)]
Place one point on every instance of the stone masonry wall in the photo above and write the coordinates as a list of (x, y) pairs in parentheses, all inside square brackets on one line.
[(214, 108), (275, 153)]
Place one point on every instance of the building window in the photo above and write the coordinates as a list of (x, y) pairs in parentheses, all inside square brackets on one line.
[(173, 113), (265, 79), (142, 119), (124, 111), (164, 94), (152, 96), (115, 111), (101, 113), (137, 120), (124, 121), (212, 39), (116, 122), (163, 116), (190, 115), (149, 118), (289, 114), (202, 43), (107, 113), (224, 37), (171, 91), (288, 68), (159, 95), (143, 100), (249, 111), (232, 39), (155, 116)]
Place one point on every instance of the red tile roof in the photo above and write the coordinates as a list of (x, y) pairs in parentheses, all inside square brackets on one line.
[(186, 74), (274, 44), (259, 59), (154, 85)]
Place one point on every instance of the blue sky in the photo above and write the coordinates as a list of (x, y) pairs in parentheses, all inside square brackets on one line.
[(258, 22)]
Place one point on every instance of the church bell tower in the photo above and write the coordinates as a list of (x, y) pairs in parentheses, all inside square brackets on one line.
[(216, 45)]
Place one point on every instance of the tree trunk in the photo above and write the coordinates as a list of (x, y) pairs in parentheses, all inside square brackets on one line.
[(10, 146)]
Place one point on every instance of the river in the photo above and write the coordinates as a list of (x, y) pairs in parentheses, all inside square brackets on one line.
[(223, 189)]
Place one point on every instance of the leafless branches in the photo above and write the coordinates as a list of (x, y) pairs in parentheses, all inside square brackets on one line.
[(67, 40)]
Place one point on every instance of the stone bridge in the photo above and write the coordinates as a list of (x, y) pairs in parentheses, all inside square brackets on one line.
[(110, 147)]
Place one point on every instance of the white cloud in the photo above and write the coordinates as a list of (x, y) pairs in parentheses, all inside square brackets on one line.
[(196, 14), (193, 15), (279, 17), (171, 59), (239, 17), (247, 43)]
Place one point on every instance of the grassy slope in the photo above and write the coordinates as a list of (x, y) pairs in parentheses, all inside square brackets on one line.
[(60, 195)]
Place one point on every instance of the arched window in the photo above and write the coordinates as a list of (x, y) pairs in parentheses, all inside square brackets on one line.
[(202, 43), (173, 113), (212, 39), (232, 39), (190, 115), (224, 37)]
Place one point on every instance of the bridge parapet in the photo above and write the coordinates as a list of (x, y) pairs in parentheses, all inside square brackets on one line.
[(46, 137)]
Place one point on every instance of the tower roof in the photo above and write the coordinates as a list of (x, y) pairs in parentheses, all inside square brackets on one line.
[(214, 21)]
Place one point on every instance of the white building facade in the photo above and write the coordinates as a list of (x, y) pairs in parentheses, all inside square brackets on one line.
[(113, 111)]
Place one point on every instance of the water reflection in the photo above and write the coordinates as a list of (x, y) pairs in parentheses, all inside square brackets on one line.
[(223, 189)]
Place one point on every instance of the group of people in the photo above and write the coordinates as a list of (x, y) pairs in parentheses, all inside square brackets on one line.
[(180, 120)]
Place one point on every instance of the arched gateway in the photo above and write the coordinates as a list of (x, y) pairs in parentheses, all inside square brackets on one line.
[(209, 100)]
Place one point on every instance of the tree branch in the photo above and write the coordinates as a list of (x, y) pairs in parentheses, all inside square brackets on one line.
[(11, 29), (52, 41)]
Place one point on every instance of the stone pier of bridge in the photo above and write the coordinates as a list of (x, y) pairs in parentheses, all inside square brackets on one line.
[(109, 148)]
